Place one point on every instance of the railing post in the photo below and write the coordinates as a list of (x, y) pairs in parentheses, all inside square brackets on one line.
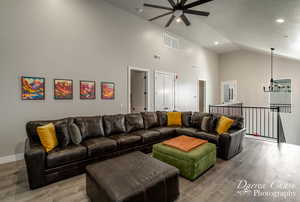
[(209, 111), (278, 122)]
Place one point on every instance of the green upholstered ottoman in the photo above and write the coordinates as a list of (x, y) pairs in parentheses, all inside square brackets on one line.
[(191, 164)]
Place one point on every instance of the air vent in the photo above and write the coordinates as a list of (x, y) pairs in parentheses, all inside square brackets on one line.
[(170, 41)]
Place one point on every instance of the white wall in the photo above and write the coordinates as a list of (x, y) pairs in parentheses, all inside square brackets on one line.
[(88, 40), (252, 72)]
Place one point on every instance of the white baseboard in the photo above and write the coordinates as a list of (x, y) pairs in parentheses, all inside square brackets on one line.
[(11, 158)]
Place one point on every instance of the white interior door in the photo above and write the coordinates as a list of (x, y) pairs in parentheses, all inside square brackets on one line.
[(164, 91)]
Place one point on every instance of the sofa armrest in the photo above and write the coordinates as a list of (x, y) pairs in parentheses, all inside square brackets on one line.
[(231, 143), (35, 158)]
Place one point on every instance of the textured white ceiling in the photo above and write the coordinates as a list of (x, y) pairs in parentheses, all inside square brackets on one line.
[(235, 24)]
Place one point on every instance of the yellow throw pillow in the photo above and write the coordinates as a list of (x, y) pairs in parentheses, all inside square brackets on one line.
[(47, 136), (224, 124), (174, 119)]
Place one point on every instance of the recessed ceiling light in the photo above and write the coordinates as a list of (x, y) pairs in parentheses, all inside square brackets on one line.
[(178, 20), (139, 10), (216, 43), (280, 20)]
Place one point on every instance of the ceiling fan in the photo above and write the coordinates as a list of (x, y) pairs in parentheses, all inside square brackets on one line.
[(179, 9)]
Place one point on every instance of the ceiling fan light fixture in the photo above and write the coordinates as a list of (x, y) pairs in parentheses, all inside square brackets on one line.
[(178, 10)]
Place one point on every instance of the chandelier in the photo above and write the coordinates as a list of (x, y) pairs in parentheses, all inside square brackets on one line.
[(271, 87)]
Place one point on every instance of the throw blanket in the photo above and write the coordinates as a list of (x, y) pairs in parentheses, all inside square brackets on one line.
[(184, 143)]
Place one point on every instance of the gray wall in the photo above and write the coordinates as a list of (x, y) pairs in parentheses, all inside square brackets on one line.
[(89, 40), (252, 72)]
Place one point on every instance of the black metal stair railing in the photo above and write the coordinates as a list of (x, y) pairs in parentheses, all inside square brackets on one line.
[(258, 121)]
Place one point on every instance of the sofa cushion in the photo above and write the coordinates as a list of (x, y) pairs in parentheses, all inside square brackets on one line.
[(90, 126), (126, 141), (75, 134), (166, 131), (210, 137), (186, 118), (206, 123), (32, 125), (238, 122), (60, 156), (134, 122), (62, 135), (162, 118), (47, 136), (197, 119), (100, 145), (150, 119), (186, 131), (174, 119), (148, 136), (114, 124)]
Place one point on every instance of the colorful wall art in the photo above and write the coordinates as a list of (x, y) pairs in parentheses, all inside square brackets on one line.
[(107, 90), (87, 90), (63, 89), (33, 88)]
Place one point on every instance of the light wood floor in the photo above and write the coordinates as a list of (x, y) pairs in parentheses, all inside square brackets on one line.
[(261, 162)]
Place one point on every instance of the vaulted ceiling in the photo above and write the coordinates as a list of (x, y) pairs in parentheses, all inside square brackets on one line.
[(234, 24)]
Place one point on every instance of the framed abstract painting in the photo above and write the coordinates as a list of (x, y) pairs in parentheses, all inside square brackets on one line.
[(33, 88), (63, 89), (87, 90), (107, 90)]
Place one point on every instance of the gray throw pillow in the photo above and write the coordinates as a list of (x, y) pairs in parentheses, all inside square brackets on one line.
[(204, 125), (75, 134)]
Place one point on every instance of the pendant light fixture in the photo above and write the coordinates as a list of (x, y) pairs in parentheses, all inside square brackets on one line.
[(271, 86)]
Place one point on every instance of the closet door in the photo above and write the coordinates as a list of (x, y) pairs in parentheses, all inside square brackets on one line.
[(164, 91)]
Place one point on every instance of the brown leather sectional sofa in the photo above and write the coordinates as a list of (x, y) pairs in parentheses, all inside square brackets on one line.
[(108, 136)]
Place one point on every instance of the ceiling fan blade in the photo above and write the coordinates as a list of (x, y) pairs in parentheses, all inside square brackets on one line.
[(183, 2), (156, 6), (196, 3), (202, 13), (165, 14), (172, 3), (170, 21), (185, 20)]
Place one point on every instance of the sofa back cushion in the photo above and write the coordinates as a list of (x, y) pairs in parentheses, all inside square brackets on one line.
[(90, 126), (31, 127), (186, 118), (134, 122), (162, 118), (150, 119), (114, 124), (63, 135), (238, 121), (197, 119)]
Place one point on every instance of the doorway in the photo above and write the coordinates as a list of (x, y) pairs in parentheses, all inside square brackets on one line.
[(138, 90)]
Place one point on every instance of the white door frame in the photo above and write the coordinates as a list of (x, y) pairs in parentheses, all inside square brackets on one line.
[(129, 86), (174, 78)]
